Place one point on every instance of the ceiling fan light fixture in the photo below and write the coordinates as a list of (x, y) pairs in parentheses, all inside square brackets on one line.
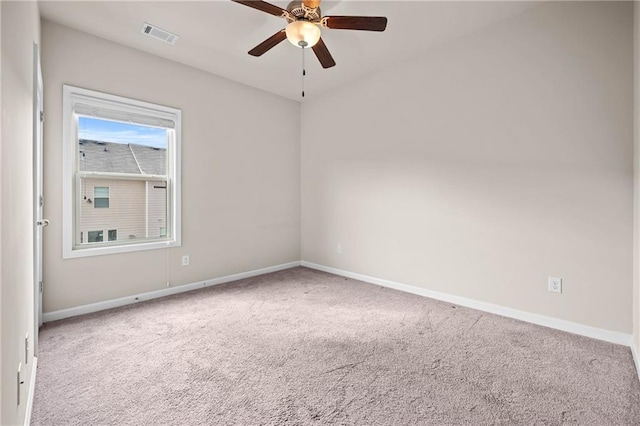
[(303, 33)]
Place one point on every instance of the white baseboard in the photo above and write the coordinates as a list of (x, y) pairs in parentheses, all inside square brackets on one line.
[(559, 324), (32, 392), (636, 358), (122, 301)]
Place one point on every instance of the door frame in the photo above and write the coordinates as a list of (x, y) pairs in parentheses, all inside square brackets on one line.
[(38, 199)]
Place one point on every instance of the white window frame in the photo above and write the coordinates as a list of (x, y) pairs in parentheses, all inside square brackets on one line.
[(140, 110)]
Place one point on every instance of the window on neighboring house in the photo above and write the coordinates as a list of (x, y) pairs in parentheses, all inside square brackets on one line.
[(122, 174), (95, 236), (101, 196)]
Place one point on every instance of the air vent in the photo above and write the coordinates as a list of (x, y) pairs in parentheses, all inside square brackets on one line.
[(159, 33)]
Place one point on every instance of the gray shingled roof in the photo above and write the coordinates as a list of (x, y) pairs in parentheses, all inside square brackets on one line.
[(152, 161), (113, 157)]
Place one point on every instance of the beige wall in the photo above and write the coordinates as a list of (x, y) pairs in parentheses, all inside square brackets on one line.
[(240, 171), (20, 29), (486, 165)]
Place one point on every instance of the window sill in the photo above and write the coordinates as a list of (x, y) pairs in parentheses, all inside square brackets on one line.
[(127, 248)]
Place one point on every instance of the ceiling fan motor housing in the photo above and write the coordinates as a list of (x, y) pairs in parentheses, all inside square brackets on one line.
[(298, 11)]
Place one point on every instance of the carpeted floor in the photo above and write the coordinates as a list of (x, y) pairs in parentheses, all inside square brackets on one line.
[(306, 347)]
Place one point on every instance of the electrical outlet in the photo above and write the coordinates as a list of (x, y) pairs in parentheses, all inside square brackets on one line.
[(555, 285), (339, 249), (185, 260)]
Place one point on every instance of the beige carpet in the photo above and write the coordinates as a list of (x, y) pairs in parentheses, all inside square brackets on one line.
[(304, 347)]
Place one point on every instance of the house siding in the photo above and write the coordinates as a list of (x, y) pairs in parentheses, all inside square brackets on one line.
[(126, 211), (157, 204)]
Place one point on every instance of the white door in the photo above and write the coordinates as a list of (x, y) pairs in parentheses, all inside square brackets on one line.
[(40, 222)]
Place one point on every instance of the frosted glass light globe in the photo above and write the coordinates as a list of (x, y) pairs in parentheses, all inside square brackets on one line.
[(303, 33)]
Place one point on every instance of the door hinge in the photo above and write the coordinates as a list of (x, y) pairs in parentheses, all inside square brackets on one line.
[(42, 116), (41, 201), (20, 381), (40, 286)]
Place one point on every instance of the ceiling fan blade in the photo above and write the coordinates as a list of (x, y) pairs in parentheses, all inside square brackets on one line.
[(268, 44), (366, 23), (323, 55), (263, 6)]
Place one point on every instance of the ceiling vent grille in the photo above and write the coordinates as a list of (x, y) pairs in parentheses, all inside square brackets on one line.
[(159, 33)]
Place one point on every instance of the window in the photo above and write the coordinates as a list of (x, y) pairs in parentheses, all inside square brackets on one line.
[(121, 172), (101, 197), (95, 236)]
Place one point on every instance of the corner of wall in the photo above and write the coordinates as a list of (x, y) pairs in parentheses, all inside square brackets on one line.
[(1, 282), (636, 186)]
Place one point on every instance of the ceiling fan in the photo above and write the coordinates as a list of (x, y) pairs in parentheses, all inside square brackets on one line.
[(304, 20)]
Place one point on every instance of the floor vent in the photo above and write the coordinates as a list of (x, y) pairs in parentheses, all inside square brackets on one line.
[(159, 33)]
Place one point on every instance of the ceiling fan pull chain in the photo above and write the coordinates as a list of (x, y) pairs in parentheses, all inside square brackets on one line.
[(304, 71)]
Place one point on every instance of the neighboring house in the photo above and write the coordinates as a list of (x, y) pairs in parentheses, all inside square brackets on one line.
[(121, 208)]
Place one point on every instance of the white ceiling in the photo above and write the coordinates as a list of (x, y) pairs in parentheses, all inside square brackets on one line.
[(215, 36)]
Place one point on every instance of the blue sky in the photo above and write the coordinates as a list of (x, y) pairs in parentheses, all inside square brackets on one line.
[(113, 131)]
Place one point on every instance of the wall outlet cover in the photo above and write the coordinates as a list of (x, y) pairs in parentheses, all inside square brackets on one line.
[(555, 285)]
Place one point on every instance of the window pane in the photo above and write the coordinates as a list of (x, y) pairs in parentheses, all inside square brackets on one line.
[(137, 209), (114, 147), (101, 203), (101, 191), (157, 193), (95, 236)]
